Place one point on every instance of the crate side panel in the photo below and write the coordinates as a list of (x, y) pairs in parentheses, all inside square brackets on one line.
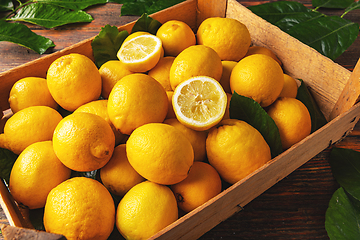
[(231, 200), (325, 78)]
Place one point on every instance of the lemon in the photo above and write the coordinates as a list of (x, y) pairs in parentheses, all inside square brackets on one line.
[(99, 107), (80, 208), (175, 36), (146, 209), (236, 149), (111, 72), (30, 91), (290, 87), (160, 153), (199, 103), (225, 77), (258, 77), (161, 72), (83, 141), (262, 50), (228, 37), (118, 175), (35, 172), (29, 125), (73, 80), (197, 60), (202, 184), (141, 53), (170, 113), (136, 100), (196, 138), (292, 119)]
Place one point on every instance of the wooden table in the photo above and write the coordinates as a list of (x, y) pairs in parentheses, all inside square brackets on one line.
[(294, 208)]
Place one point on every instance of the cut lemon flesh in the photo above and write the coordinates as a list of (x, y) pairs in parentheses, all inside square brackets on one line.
[(199, 102), (140, 53)]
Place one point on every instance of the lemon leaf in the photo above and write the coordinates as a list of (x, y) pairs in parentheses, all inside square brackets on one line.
[(146, 24), (74, 4), (332, 3), (50, 16), (248, 110), (6, 5), (342, 216), (22, 35), (345, 167), (137, 8), (317, 117), (7, 160), (107, 43)]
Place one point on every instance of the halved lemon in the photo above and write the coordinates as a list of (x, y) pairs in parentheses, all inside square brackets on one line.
[(199, 102), (141, 53)]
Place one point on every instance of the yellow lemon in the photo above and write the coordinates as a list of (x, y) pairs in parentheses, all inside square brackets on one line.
[(141, 53), (258, 77), (170, 113), (30, 91), (146, 209), (118, 175), (99, 107), (27, 126), (227, 110), (80, 208), (228, 37), (136, 100), (197, 60), (175, 36), (160, 153), (161, 72), (290, 87), (236, 149), (83, 141), (73, 80), (292, 119), (262, 50), (111, 72), (35, 172), (196, 138), (202, 184), (199, 103), (225, 77)]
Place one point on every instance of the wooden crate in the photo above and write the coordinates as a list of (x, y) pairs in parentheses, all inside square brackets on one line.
[(335, 89)]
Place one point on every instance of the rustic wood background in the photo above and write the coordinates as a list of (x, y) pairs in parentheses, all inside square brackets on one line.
[(294, 208)]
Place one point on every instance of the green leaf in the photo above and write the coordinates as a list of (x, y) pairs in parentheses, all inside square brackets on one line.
[(353, 6), (330, 36), (248, 110), (6, 5), (286, 23), (49, 16), (107, 43), (146, 24), (345, 166), (276, 11), (22, 35), (74, 4), (317, 117), (7, 160), (342, 217), (332, 3), (139, 7)]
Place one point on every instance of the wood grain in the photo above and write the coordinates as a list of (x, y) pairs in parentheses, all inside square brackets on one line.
[(294, 208)]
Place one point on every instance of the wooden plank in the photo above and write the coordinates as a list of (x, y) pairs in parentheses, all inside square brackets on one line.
[(349, 95), (325, 78), (213, 8)]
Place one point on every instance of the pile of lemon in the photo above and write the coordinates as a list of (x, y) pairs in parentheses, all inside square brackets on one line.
[(155, 124)]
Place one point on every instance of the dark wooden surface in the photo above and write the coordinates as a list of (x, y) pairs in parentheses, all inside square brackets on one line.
[(294, 208)]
